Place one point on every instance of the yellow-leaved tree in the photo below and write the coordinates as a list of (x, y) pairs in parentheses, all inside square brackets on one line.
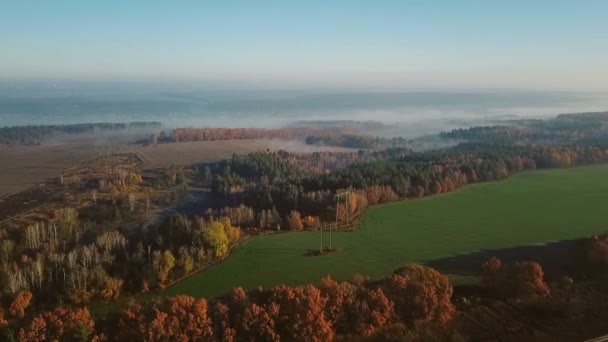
[(216, 238), (220, 235)]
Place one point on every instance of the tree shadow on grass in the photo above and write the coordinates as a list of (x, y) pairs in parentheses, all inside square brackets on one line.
[(286, 251), (271, 250), (556, 258)]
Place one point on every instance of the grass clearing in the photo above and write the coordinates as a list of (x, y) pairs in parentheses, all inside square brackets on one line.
[(528, 208)]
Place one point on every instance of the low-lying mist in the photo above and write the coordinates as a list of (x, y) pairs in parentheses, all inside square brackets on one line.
[(406, 114)]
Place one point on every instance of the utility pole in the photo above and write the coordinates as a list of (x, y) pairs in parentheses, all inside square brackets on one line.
[(338, 197), (337, 206), (347, 208), (321, 229)]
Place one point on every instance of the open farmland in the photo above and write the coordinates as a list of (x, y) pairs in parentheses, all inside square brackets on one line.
[(164, 155), (529, 208), (22, 166)]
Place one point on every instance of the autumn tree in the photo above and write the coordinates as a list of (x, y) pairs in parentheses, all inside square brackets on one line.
[(130, 322), (419, 191), (227, 315), (60, 324), (3, 321), (186, 261), (215, 237), (21, 302), (528, 282), (163, 263), (373, 195), (233, 233), (339, 298), (491, 274), (371, 310), (312, 222), (181, 318), (523, 280), (258, 323), (437, 188), (517, 163), (593, 256), (342, 213), (353, 307), (35, 332), (295, 222), (449, 185), (223, 327), (220, 235), (237, 301), (112, 288), (353, 202), (422, 294), (300, 313)]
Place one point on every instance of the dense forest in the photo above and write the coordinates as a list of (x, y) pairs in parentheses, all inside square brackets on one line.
[(209, 134), (583, 128), (297, 130), (305, 184), (360, 126), (34, 135), (357, 141)]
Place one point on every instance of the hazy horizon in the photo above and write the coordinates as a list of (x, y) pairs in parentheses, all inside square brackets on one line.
[(272, 63), (189, 105)]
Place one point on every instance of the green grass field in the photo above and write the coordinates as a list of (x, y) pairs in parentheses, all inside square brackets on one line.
[(529, 208)]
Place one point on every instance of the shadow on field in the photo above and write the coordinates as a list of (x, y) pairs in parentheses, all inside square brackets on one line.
[(254, 251), (556, 258)]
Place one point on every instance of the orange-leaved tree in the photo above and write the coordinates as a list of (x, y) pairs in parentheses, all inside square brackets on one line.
[(258, 323), (295, 221), (523, 280), (300, 313), (60, 324), (20, 303), (422, 294), (352, 307), (491, 276), (528, 280), (180, 318)]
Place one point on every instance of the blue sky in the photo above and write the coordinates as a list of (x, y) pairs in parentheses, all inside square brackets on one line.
[(369, 44)]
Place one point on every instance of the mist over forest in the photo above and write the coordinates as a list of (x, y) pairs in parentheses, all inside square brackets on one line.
[(410, 113)]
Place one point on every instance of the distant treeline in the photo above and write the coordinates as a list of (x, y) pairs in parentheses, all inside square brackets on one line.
[(356, 141), (357, 125), (584, 116), (582, 128), (33, 135), (208, 134)]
